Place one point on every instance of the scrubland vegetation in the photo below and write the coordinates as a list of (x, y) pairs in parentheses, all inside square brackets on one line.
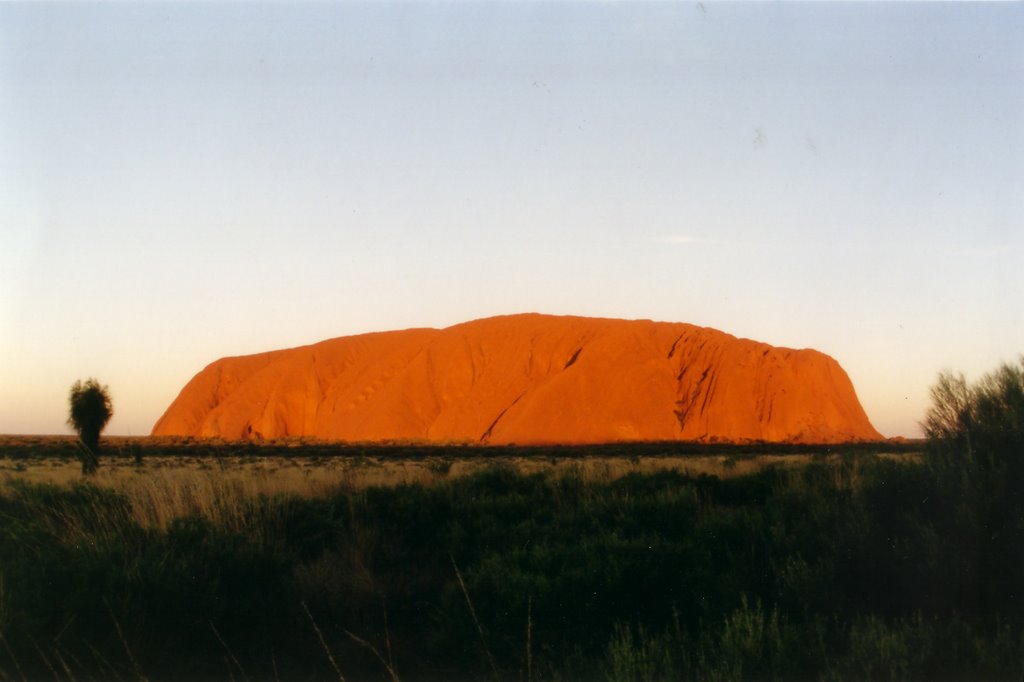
[(850, 566)]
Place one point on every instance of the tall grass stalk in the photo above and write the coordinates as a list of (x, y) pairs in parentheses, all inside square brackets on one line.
[(136, 668), (14, 659), (323, 643), (476, 621), (227, 651)]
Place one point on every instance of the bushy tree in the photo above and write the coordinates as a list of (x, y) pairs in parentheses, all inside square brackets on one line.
[(976, 451), (949, 418), (90, 410), (978, 427)]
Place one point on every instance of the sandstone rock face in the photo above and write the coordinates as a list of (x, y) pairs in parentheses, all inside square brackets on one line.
[(527, 379)]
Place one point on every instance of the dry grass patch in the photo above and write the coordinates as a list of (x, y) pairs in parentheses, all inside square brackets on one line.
[(226, 490)]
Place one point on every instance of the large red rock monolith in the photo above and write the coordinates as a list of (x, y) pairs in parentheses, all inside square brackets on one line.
[(527, 379)]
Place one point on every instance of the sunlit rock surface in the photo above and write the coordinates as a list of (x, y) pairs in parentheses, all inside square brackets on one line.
[(527, 379)]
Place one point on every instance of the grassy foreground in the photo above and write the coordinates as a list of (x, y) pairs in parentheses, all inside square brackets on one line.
[(849, 567)]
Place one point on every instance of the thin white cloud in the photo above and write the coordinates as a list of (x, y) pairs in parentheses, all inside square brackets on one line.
[(682, 239), (701, 241)]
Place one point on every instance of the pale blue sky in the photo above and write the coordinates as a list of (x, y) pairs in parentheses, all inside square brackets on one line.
[(180, 182)]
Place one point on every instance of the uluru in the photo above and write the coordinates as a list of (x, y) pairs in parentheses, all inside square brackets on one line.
[(527, 379)]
